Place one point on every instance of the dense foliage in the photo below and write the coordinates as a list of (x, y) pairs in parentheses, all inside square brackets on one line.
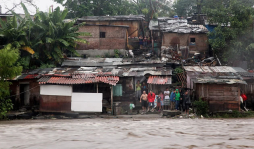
[(15, 31), (80, 8), (201, 107), (233, 37), (184, 8), (47, 36), (8, 70), (53, 38), (150, 8)]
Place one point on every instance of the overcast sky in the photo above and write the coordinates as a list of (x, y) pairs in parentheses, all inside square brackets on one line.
[(43, 5)]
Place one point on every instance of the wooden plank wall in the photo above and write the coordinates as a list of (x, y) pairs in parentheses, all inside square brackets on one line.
[(221, 97)]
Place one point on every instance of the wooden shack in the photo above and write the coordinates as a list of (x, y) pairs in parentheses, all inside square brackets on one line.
[(221, 94)]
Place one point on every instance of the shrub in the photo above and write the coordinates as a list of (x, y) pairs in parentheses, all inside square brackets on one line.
[(117, 53), (236, 114), (201, 106)]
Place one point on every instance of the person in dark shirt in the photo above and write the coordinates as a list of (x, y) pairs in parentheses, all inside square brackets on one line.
[(186, 102), (144, 87), (181, 105)]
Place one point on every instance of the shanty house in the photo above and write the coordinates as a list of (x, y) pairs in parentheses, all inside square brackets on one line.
[(80, 90), (25, 90), (179, 35), (219, 85), (153, 74), (111, 32), (91, 84)]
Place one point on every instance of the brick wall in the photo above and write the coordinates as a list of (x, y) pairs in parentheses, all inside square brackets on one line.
[(133, 29), (115, 38), (201, 43)]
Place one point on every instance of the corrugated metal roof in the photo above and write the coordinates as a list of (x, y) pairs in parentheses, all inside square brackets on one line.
[(246, 74), (159, 80), (208, 69), (178, 26), (112, 18), (153, 25), (107, 62), (137, 72), (64, 80), (219, 81)]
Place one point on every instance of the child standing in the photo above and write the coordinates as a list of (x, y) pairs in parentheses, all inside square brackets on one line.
[(160, 101)]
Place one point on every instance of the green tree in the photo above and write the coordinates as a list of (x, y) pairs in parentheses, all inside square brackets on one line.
[(185, 8), (53, 37), (15, 31), (233, 36), (81, 8), (152, 9), (8, 70)]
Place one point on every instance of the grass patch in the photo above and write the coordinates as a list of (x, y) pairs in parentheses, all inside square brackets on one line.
[(234, 114)]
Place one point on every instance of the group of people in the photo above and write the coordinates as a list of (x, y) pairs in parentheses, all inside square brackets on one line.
[(144, 41), (167, 100)]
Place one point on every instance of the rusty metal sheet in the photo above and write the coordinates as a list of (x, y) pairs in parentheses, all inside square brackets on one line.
[(159, 80), (55, 103)]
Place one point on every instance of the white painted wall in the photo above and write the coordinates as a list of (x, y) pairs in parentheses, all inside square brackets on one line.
[(57, 90), (86, 102)]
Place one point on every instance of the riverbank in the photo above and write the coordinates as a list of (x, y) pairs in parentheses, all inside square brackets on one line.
[(149, 115)]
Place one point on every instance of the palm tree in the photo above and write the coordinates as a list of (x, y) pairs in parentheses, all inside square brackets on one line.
[(53, 37)]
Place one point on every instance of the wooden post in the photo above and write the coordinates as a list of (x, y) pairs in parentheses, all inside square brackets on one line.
[(239, 94), (97, 88), (111, 99)]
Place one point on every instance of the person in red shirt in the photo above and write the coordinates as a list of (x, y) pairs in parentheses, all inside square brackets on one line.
[(151, 98)]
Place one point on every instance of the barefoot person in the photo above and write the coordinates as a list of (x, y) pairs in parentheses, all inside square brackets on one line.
[(143, 100)]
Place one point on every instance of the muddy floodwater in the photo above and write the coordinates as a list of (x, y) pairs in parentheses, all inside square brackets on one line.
[(127, 133)]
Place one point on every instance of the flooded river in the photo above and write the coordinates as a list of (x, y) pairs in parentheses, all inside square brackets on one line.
[(127, 133)]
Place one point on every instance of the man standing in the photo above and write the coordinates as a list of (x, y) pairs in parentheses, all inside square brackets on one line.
[(177, 98), (181, 104), (138, 89), (172, 100), (151, 98), (143, 100), (186, 102)]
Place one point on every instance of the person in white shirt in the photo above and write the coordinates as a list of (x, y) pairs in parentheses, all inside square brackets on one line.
[(166, 99)]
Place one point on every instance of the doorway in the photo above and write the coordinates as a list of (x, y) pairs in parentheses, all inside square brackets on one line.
[(24, 94)]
